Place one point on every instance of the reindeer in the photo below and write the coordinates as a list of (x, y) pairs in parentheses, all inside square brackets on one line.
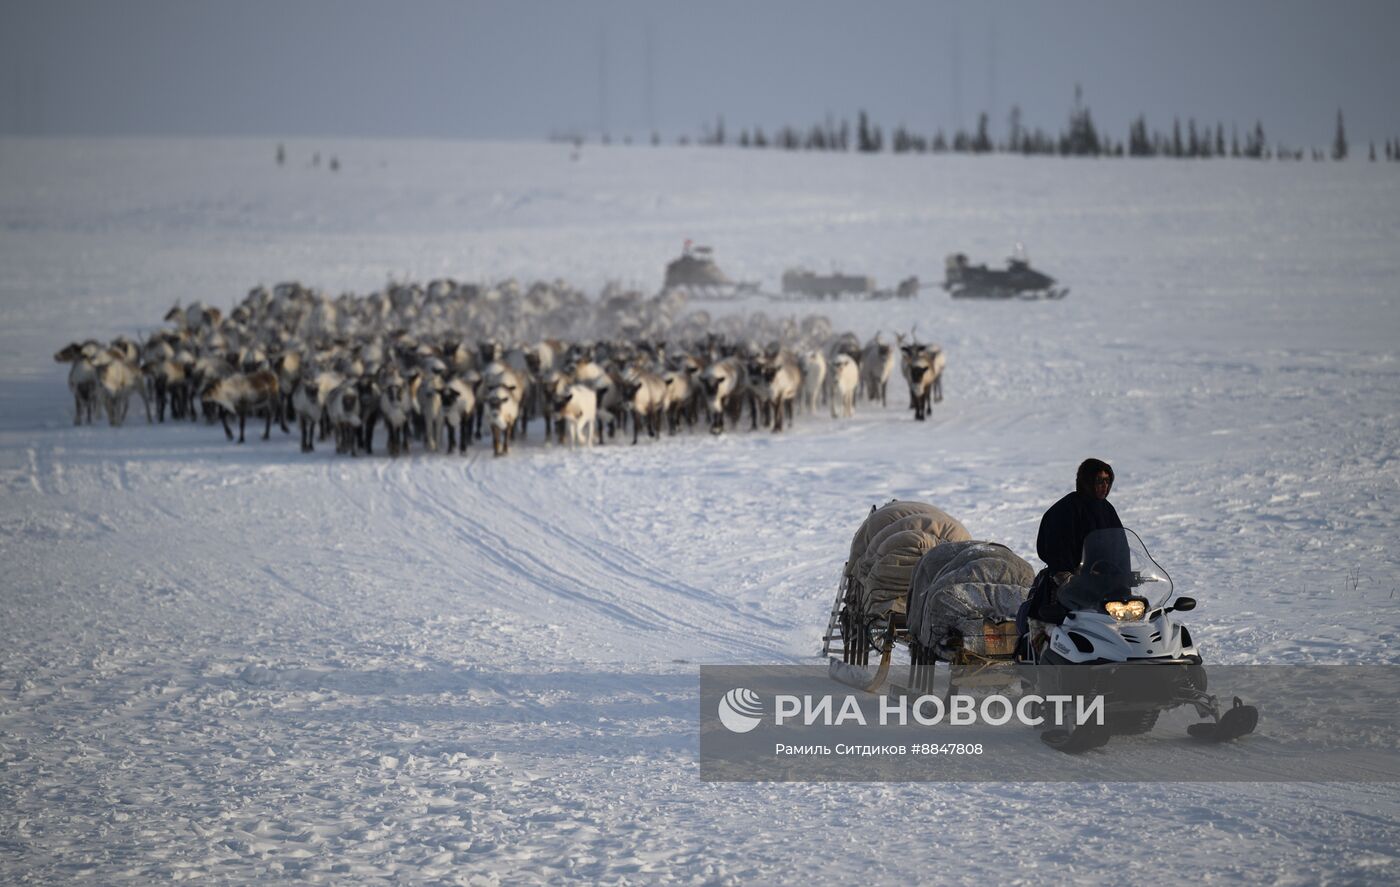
[(310, 399), (499, 374), (845, 381), (343, 407), (458, 412), (776, 385), (395, 404), (724, 382), (504, 410), (167, 377), (577, 408), (241, 394), (429, 401), (644, 396), (923, 368), (813, 366), (549, 388), (118, 377), (876, 367), (681, 400), (367, 393), (82, 378)]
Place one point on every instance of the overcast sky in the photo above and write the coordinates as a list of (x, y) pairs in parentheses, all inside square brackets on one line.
[(527, 69)]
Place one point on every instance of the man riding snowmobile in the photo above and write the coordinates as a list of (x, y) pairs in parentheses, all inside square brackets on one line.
[(1060, 541)]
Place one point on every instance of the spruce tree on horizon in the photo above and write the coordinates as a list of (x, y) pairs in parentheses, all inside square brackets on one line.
[(1339, 142), (864, 142), (982, 143)]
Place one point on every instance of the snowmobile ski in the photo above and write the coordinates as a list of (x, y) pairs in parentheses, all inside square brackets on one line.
[(1238, 721), (1079, 740)]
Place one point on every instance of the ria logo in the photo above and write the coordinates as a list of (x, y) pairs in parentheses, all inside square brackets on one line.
[(740, 710)]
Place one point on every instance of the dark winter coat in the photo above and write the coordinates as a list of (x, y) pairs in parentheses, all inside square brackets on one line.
[(1060, 542)]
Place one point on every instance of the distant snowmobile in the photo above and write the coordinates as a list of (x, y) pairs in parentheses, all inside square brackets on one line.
[(966, 281)]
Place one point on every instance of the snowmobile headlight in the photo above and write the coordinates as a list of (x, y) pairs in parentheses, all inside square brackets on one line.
[(1126, 611)]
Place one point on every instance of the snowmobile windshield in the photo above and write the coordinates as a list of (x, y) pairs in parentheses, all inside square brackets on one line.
[(1116, 567)]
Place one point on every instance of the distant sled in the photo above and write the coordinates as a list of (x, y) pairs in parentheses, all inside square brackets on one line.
[(696, 273)]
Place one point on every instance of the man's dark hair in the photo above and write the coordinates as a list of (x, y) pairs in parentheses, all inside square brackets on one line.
[(1088, 470)]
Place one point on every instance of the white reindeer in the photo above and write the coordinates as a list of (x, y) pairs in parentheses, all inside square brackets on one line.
[(577, 407), (876, 367), (845, 380), (429, 400), (776, 386), (813, 365), (82, 378)]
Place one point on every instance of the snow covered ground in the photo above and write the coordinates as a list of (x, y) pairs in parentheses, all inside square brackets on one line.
[(231, 664)]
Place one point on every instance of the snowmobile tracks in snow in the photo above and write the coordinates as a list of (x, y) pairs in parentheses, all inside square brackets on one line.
[(526, 551)]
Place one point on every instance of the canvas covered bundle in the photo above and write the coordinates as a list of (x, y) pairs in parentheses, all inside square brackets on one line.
[(964, 591), (887, 548)]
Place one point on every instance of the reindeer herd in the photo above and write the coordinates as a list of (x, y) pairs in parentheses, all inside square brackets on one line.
[(340, 368)]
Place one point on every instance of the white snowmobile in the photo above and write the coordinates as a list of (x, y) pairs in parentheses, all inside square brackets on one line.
[(1120, 640)]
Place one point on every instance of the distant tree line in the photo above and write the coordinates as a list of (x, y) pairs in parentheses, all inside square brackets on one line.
[(1081, 137)]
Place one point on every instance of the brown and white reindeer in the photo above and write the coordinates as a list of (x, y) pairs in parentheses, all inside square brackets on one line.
[(724, 382), (310, 401), (550, 387), (244, 393), (503, 409), (395, 406), (167, 385), (287, 366), (681, 400), (924, 370), (458, 411), (119, 377), (776, 385), (644, 397), (210, 365), (500, 375)]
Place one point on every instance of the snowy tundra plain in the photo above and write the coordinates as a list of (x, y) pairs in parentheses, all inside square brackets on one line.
[(228, 663)]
